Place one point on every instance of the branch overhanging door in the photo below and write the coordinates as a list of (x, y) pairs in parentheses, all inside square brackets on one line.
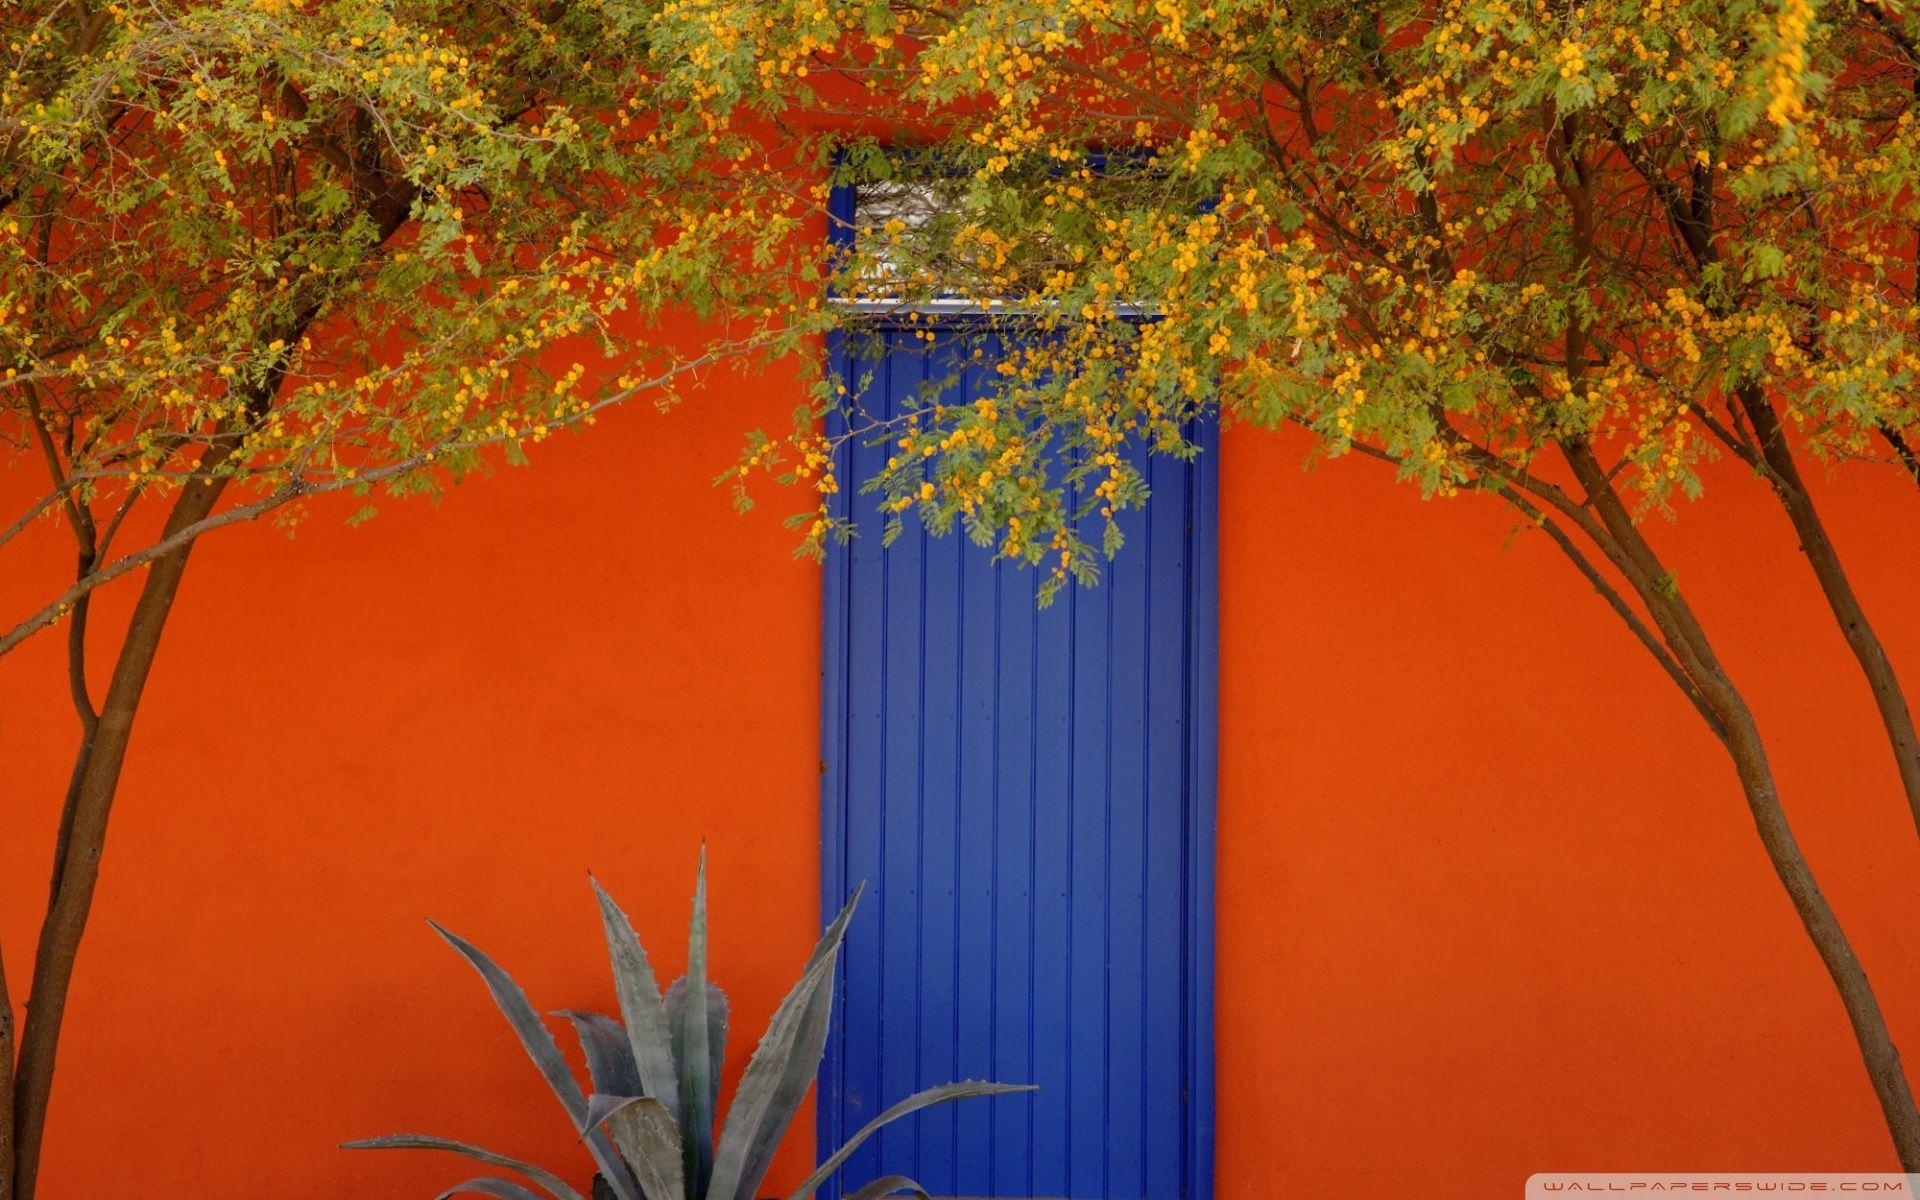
[(1027, 794)]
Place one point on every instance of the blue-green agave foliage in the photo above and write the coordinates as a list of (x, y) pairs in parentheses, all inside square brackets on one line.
[(649, 1121)]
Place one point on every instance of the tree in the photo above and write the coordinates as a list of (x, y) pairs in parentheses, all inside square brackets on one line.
[(256, 251), (1556, 253)]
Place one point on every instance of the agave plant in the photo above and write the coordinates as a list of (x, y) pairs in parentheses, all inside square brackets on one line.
[(649, 1119)]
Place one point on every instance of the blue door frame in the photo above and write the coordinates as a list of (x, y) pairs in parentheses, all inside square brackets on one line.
[(840, 1113)]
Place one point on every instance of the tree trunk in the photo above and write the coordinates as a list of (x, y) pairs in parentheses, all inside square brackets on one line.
[(1740, 733), (6, 1087), (1783, 474), (79, 870), (1870, 1032)]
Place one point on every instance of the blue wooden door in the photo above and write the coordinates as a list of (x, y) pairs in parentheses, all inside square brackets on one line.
[(1027, 794)]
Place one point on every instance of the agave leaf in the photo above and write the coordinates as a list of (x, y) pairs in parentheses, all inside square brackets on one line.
[(717, 1014), (600, 1106), (693, 1041), (716, 1054), (834, 934), (487, 1185), (555, 1185), (646, 1018), (534, 1036), (778, 1075), (644, 1131), (887, 1185), (609, 1056), (912, 1104), (545, 1052)]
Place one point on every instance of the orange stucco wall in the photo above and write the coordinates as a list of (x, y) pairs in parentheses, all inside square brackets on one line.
[(1489, 902)]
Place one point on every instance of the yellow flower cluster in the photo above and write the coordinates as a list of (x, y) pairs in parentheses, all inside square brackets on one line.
[(1786, 72)]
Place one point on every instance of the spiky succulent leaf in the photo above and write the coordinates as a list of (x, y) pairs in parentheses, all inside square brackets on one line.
[(555, 1185), (717, 1015), (778, 1075), (609, 1055), (912, 1104), (487, 1185), (600, 1106), (693, 1044), (644, 1131), (888, 1185), (545, 1052), (648, 1033)]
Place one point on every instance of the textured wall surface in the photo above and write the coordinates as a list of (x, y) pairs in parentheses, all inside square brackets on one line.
[(1489, 901)]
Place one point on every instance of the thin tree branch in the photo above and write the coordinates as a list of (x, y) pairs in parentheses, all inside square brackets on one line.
[(1646, 636), (302, 489), (31, 514), (1782, 472), (1902, 450), (1648, 639), (85, 536)]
